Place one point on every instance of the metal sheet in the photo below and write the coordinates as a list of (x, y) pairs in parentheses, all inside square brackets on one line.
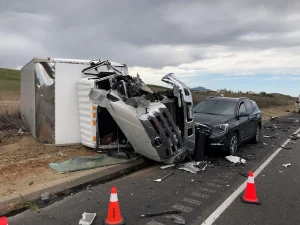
[(44, 102)]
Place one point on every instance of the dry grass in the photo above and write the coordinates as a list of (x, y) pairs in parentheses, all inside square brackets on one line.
[(11, 120), (263, 101)]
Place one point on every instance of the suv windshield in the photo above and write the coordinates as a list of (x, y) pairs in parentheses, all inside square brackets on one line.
[(216, 107)]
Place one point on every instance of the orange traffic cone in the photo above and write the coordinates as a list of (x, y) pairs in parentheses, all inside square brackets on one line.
[(114, 215), (3, 221), (250, 192)]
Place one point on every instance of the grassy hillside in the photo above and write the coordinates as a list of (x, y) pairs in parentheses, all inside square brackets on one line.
[(10, 86), (263, 101), (9, 82)]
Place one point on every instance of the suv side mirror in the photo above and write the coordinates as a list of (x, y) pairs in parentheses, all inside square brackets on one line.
[(244, 114)]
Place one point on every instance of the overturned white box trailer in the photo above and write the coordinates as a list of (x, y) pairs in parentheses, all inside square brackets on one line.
[(117, 110), (98, 104), (49, 102)]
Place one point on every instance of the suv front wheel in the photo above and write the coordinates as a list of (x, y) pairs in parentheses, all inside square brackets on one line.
[(233, 144)]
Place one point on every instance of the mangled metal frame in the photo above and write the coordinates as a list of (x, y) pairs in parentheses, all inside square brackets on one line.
[(160, 137)]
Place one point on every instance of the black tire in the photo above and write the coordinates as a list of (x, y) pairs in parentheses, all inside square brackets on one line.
[(233, 144), (257, 136)]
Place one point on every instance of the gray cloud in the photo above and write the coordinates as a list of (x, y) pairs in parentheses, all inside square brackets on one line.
[(142, 33)]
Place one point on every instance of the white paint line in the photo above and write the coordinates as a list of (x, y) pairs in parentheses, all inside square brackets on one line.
[(214, 185), (182, 208), (200, 195), (206, 189), (192, 201), (216, 214)]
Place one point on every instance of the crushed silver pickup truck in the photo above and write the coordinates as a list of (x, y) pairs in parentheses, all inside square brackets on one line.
[(127, 113)]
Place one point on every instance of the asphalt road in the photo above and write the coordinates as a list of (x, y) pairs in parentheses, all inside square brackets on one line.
[(196, 195)]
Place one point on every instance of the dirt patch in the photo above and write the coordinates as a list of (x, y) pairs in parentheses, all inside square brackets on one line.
[(23, 159), (276, 111)]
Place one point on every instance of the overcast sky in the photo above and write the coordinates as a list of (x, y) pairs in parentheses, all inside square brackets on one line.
[(234, 44)]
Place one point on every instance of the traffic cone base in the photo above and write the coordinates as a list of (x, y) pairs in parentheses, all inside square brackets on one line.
[(250, 192), (257, 202), (114, 214)]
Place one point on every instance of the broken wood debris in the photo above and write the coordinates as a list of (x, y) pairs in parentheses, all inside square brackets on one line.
[(160, 213)]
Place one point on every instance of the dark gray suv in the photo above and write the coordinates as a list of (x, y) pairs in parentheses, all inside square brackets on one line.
[(229, 121)]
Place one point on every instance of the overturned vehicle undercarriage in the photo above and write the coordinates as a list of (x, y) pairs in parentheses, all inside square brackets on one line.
[(120, 111)]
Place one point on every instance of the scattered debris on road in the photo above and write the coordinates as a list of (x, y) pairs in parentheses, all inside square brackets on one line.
[(295, 137), (243, 174), (167, 166), (266, 136), (30, 182), (235, 159), (176, 219), (153, 222), (288, 148), (287, 165), (89, 162), (87, 218), (169, 212), (280, 171), (45, 197), (194, 167), (161, 179)]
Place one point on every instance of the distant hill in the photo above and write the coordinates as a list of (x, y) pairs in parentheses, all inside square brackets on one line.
[(200, 89), (9, 81)]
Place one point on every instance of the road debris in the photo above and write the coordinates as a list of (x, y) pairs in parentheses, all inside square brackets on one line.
[(295, 137), (235, 159), (264, 143), (243, 174), (266, 136), (61, 154), (45, 197), (169, 212), (287, 165), (30, 182), (280, 171), (87, 218), (153, 222), (161, 179), (176, 219), (194, 167), (167, 166), (288, 148)]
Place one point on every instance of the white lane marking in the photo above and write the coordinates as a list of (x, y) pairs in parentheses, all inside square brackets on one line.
[(216, 214), (192, 201), (182, 208), (200, 195), (206, 189), (214, 185)]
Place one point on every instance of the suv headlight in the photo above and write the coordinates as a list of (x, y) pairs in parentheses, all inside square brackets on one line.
[(220, 129)]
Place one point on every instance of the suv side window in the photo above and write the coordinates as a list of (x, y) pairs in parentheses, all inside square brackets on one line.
[(242, 108), (249, 107)]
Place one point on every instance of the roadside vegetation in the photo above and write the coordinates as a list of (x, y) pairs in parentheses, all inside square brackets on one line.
[(263, 99)]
